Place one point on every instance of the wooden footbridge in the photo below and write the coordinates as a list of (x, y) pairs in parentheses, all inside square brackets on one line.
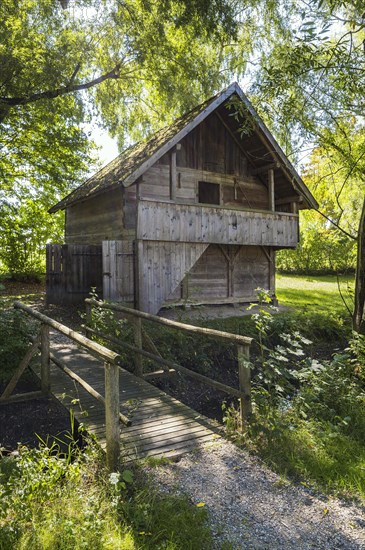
[(130, 417)]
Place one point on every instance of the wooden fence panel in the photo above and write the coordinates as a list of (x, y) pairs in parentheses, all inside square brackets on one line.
[(72, 271)]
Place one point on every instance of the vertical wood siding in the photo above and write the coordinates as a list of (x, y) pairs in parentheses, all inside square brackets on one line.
[(118, 271), (72, 271), (161, 221), (162, 268)]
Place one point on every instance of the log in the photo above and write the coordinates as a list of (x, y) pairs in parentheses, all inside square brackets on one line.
[(244, 374), (271, 185), (235, 338), (173, 175), (19, 397), (171, 365), (159, 373), (112, 416), (101, 351), (138, 362)]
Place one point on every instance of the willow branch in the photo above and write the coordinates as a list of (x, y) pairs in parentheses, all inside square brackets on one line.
[(336, 225), (51, 94)]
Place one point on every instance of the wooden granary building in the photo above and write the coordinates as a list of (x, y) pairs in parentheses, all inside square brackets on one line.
[(193, 215)]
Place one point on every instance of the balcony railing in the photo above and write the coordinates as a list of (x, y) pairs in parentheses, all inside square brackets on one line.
[(165, 221)]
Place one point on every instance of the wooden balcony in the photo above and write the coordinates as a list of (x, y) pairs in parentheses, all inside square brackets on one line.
[(196, 223)]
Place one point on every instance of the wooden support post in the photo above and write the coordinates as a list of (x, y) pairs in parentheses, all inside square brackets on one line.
[(88, 317), (271, 186), (140, 298), (244, 374), (173, 175), (112, 416), (272, 280), (138, 361), (45, 360)]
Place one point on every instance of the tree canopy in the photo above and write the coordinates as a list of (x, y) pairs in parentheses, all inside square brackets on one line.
[(139, 63), (123, 60)]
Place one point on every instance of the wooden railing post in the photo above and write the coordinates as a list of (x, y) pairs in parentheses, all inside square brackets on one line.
[(45, 360), (112, 415), (138, 361), (88, 317), (244, 374)]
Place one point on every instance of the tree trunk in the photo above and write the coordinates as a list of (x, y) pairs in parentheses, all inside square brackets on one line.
[(358, 319)]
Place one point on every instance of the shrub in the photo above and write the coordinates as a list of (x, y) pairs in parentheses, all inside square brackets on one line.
[(308, 417)]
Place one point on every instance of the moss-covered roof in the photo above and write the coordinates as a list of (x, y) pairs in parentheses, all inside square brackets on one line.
[(124, 165), (134, 161)]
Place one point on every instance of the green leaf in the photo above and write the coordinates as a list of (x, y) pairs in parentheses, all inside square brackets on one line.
[(128, 476)]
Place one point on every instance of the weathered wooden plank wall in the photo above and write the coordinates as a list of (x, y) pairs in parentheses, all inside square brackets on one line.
[(245, 192), (97, 219), (72, 270), (194, 223), (162, 267), (227, 273)]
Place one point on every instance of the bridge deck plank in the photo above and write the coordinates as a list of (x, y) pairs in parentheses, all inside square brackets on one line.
[(161, 425)]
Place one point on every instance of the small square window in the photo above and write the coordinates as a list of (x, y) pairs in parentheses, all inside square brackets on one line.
[(209, 192)]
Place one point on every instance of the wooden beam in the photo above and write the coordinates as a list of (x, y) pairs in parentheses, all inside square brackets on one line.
[(124, 419), (45, 360), (159, 373), (265, 168), (173, 175), (19, 397), (139, 287), (271, 189), (288, 200), (102, 351), (138, 361), (244, 374), (236, 338), (112, 416), (172, 365)]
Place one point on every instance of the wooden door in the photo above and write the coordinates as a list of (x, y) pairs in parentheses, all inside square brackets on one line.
[(118, 271)]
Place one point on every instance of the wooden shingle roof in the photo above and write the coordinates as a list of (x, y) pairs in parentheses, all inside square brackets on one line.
[(126, 168)]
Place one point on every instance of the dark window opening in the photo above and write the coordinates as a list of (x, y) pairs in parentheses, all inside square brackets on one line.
[(209, 193)]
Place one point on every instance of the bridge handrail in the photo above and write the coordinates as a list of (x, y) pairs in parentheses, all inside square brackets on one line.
[(105, 353), (242, 344), (235, 338), (111, 368)]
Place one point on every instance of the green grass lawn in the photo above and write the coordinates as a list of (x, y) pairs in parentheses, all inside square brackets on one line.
[(316, 294)]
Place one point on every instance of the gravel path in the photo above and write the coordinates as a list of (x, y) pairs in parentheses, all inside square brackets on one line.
[(251, 507)]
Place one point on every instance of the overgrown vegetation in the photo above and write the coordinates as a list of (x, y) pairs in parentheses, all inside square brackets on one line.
[(308, 417), (49, 501)]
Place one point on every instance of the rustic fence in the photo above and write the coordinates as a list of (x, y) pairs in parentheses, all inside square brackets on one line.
[(72, 271), (111, 361), (242, 344)]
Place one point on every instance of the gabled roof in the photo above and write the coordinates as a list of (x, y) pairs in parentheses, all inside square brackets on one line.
[(134, 161)]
